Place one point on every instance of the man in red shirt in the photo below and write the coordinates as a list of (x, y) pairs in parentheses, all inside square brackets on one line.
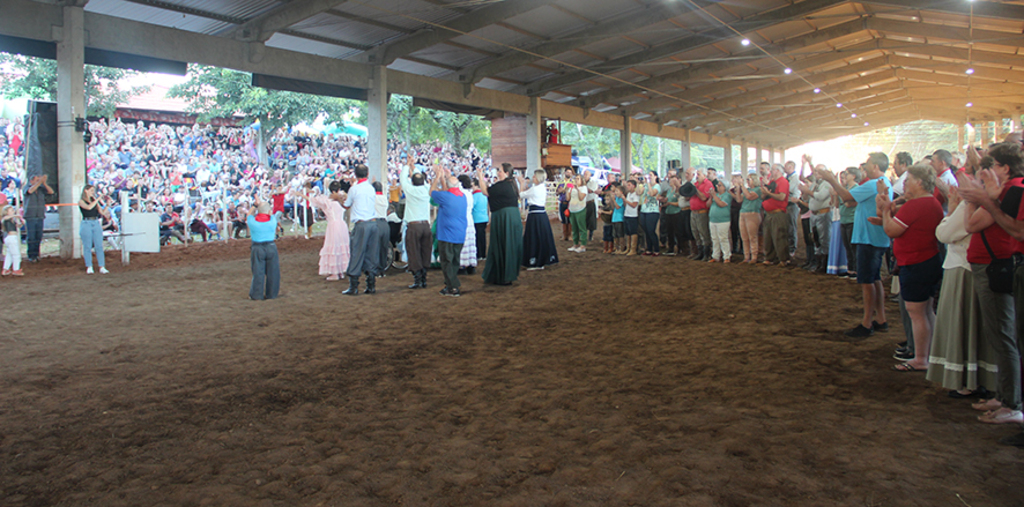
[(699, 208), (776, 221)]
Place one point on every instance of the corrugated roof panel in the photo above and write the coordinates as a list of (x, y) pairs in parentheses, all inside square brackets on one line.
[(546, 21), (658, 33), (244, 9), (450, 55), (334, 27), (310, 46), (493, 84), (599, 10), (417, 68), (496, 39), (409, 14), (153, 15)]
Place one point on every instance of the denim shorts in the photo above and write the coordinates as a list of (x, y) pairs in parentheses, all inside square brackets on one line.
[(920, 281), (607, 233), (869, 263)]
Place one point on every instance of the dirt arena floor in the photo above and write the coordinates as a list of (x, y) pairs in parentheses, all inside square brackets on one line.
[(600, 381)]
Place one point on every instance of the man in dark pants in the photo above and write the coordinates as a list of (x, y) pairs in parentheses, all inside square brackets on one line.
[(451, 227), (263, 257), (35, 211), (364, 243), (418, 239)]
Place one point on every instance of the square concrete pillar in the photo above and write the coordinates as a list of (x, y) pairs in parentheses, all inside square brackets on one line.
[(626, 148), (534, 124), (684, 160), (71, 146), (377, 125)]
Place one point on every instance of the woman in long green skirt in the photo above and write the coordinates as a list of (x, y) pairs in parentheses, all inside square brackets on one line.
[(505, 253)]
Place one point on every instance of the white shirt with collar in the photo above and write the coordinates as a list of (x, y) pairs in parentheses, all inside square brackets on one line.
[(361, 201), (794, 184)]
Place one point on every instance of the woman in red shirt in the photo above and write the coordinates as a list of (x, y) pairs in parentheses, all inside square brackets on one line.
[(917, 254)]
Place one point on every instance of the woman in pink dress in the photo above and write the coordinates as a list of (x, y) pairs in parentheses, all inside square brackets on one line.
[(334, 255)]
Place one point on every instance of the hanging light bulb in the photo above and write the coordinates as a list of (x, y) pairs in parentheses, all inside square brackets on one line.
[(788, 70), (839, 104), (969, 71), (745, 42), (969, 104), (866, 124), (817, 90), (854, 115)]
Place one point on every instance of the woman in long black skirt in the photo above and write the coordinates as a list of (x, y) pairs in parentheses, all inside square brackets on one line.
[(505, 252), (538, 240)]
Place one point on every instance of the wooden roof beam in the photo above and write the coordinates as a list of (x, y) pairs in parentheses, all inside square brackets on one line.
[(716, 34)]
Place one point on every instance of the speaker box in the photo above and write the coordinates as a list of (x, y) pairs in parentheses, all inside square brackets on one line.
[(41, 145)]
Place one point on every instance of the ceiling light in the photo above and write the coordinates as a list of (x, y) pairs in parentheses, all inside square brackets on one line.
[(969, 104), (745, 42), (866, 124), (788, 70), (969, 71), (854, 115), (839, 104), (817, 90)]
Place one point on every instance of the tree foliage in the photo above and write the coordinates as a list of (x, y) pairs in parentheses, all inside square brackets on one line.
[(417, 125), (36, 78), (213, 92)]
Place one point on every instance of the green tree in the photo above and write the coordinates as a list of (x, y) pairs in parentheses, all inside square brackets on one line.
[(36, 78), (214, 92)]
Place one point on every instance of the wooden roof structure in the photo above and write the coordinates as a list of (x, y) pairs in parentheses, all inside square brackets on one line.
[(770, 72)]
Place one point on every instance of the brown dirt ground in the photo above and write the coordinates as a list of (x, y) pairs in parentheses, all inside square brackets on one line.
[(600, 381)]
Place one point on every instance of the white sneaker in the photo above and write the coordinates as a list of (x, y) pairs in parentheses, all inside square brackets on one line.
[(88, 271), (572, 249), (581, 249), (103, 271)]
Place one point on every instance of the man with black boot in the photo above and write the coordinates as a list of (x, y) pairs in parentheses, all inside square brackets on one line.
[(418, 240), (451, 227), (365, 243)]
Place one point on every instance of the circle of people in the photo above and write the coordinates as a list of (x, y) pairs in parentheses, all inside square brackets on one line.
[(950, 229)]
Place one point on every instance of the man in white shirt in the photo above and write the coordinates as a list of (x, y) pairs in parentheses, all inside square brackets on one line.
[(418, 240), (592, 195), (365, 241), (793, 209)]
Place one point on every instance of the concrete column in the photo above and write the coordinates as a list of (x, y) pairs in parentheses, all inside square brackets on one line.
[(727, 161), (533, 137), (757, 156), (626, 148), (744, 157), (377, 125), (684, 155), (960, 138), (771, 155), (782, 155), (71, 146), (982, 135)]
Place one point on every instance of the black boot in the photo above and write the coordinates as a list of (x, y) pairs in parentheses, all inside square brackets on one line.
[(353, 286), (423, 278), (822, 265), (371, 284), (415, 280)]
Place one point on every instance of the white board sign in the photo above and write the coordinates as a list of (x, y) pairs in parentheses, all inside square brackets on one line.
[(141, 232)]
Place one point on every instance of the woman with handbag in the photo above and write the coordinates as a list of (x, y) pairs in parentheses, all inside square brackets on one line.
[(990, 254), (917, 254)]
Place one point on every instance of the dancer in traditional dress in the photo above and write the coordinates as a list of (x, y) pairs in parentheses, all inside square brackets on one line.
[(505, 252), (334, 254), (468, 257), (538, 239)]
